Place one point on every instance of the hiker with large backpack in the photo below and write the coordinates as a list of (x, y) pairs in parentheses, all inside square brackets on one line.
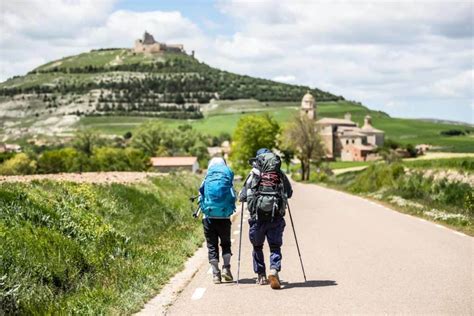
[(217, 203), (266, 191)]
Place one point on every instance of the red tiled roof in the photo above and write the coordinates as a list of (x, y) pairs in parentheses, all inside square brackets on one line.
[(172, 161)]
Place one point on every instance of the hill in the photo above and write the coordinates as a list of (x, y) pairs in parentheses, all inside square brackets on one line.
[(121, 82), (114, 90)]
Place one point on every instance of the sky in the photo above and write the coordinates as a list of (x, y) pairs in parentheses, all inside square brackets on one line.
[(410, 59)]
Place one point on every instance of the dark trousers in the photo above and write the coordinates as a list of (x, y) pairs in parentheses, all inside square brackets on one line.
[(215, 229), (273, 231)]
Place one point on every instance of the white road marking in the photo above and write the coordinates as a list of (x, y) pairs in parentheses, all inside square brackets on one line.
[(209, 271), (422, 220), (440, 226), (198, 293), (232, 240), (460, 234), (236, 232)]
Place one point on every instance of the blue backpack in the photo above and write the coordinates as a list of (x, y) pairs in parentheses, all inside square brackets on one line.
[(219, 197)]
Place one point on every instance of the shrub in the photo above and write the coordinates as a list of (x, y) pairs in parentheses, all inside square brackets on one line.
[(454, 194), (55, 161), (118, 159), (18, 165), (452, 132), (413, 186), (375, 177)]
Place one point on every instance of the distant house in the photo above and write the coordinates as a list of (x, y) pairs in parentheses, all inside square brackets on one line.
[(220, 151), (168, 164), (10, 148)]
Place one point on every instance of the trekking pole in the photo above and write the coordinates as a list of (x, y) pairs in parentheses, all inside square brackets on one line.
[(240, 240), (296, 240)]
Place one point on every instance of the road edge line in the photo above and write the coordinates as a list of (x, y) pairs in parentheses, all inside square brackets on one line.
[(160, 303)]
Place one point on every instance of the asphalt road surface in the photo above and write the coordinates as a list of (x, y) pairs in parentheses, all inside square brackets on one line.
[(359, 257)]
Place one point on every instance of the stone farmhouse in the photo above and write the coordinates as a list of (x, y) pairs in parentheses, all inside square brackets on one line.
[(342, 137), (147, 44)]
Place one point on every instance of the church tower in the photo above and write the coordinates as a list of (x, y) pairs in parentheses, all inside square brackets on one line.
[(308, 106)]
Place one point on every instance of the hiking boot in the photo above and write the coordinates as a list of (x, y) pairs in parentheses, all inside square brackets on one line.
[(216, 278), (226, 274), (262, 279), (274, 279)]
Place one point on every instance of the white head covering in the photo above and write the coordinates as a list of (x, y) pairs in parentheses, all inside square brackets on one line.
[(216, 161)]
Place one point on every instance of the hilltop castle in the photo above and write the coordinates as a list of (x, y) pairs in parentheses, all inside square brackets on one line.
[(147, 44), (342, 137)]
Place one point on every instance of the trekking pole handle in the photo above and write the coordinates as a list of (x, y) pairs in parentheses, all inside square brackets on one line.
[(197, 212)]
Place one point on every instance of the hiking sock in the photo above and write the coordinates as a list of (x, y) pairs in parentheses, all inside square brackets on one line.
[(215, 267), (226, 258)]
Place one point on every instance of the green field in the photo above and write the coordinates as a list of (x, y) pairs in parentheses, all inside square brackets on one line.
[(224, 118)]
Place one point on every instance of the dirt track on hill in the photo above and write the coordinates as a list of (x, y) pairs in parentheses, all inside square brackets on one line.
[(85, 177)]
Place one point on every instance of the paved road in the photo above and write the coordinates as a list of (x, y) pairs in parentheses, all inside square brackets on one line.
[(359, 258)]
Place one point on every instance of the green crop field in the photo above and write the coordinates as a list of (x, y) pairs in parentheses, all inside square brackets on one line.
[(224, 117)]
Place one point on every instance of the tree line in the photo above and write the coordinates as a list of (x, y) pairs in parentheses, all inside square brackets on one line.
[(91, 152)]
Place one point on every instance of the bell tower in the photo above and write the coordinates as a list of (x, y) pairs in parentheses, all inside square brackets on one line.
[(308, 106)]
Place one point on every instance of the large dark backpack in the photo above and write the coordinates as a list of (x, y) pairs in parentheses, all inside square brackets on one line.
[(267, 199)]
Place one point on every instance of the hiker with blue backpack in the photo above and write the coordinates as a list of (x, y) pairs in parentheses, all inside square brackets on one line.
[(217, 202), (266, 191)]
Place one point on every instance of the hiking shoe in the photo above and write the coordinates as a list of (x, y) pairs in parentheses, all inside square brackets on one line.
[(262, 279), (274, 279), (227, 275), (216, 278)]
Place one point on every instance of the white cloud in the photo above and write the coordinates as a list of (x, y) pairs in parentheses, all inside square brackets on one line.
[(388, 55), (36, 33), (285, 78)]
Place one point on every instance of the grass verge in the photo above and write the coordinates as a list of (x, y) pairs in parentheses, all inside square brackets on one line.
[(69, 248), (410, 188)]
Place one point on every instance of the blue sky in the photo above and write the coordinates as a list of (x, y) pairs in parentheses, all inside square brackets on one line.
[(409, 59)]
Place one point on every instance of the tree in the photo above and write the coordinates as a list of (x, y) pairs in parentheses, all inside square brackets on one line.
[(150, 137), (84, 143), (288, 155), (302, 137), (252, 133), (179, 99), (85, 140)]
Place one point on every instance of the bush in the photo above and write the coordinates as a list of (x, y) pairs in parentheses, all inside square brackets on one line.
[(118, 159), (18, 165), (55, 161), (452, 132), (375, 177), (413, 187), (454, 194)]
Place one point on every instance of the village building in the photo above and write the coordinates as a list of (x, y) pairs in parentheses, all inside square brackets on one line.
[(10, 148), (220, 151), (342, 138), (169, 164), (147, 44)]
